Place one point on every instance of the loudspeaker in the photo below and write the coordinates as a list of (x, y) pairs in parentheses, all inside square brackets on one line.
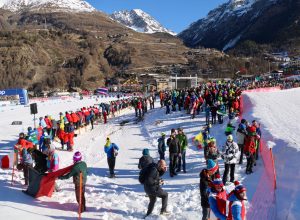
[(33, 108)]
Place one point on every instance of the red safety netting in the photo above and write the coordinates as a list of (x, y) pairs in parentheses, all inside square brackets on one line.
[(47, 184), (263, 203)]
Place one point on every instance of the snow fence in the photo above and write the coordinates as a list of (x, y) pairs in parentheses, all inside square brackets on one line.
[(263, 203)]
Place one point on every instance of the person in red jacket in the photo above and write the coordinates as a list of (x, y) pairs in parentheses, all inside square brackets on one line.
[(235, 105), (49, 124), (22, 144), (75, 119), (104, 116), (250, 149), (139, 107)]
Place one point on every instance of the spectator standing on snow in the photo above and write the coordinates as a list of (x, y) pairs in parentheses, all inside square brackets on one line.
[(183, 144), (240, 138), (258, 136), (111, 149), (174, 150), (79, 167), (145, 160), (152, 186), (162, 146), (217, 198), (230, 156), (207, 175), (26, 163), (237, 209)]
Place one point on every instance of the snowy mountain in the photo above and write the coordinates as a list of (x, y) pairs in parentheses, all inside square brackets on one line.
[(235, 21), (139, 21), (57, 5)]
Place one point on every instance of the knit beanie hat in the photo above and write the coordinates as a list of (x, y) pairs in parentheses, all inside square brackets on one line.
[(77, 157), (230, 137), (146, 152), (107, 144), (239, 187), (218, 180), (212, 166)]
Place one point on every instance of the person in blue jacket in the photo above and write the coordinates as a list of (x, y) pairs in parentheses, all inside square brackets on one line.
[(44, 141), (111, 149), (236, 198), (162, 146)]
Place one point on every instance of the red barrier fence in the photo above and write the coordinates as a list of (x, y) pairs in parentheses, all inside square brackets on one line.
[(263, 203)]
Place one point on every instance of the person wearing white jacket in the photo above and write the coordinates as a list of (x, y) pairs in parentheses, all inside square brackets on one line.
[(230, 155)]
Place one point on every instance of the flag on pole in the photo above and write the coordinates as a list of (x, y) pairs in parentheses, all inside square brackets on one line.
[(102, 91)]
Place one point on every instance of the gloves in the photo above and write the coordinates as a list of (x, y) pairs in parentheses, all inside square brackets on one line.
[(230, 158)]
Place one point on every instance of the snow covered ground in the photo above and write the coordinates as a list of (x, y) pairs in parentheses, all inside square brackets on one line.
[(279, 114), (123, 197)]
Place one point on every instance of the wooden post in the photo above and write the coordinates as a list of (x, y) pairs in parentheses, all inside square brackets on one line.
[(80, 195)]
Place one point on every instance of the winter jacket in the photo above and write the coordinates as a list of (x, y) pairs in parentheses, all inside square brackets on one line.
[(217, 203), (32, 136), (53, 162), (204, 184), (229, 129), (40, 160), (69, 117), (145, 161), (42, 142), (43, 123), (24, 143), (241, 134), (182, 141), (250, 145), (110, 149), (230, 152), (174, 145), (237, 209), (235, 105), (75, 173), (161, 145), (213, 110), (75, 117), (26, 157), (48, 123), (152, 178), (212, 153)]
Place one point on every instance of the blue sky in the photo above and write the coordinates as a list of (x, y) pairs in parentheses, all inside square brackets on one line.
[(173, 14)]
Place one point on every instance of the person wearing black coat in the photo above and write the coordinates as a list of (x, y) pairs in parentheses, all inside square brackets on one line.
[(145, 160), (206, 178), (152, 186), (175, 151), (40, 160)]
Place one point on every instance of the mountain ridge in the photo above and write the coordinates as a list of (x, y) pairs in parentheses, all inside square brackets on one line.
[(51, 5), (140, 21)]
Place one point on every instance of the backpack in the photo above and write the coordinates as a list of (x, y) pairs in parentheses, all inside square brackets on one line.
[(144, 173)]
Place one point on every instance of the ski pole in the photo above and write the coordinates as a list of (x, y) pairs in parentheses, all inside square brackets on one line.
[(80, 195)]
